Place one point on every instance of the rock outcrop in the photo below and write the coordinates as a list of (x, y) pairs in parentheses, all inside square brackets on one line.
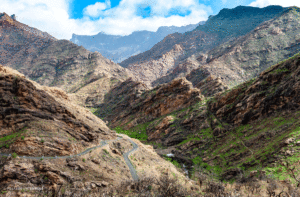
[(275, 89), (142, 105), (208, 84)]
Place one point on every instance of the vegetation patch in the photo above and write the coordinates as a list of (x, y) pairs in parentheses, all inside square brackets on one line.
[(173, 161), (241, 150), (190, 138), (138, 132), (6, 141)]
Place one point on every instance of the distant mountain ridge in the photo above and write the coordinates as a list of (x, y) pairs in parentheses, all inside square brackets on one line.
[(118, 48), (160, 65), (239, 21)]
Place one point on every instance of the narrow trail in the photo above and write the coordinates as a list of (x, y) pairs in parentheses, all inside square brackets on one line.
[(128, 162), (103, 143)]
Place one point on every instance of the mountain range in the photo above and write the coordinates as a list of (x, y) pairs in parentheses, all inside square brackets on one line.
[(204, 112), (118, 48), (178, 54)]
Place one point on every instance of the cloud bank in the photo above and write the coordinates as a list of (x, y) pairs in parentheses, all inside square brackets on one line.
[(54, 16)]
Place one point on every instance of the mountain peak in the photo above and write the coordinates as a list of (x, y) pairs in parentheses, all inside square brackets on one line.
[(6, 20), (244, 11)]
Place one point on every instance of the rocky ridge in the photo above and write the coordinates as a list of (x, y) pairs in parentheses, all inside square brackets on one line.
[(20, 42), (132, 103), (161, 59), (244, 58)]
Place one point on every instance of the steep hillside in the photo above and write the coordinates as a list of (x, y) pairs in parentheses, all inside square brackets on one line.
[(131, 103), (195, 46), (49, 126), (20, 42), (249, 127), (48, 145), (58, 63), (161, 58), (76, 70), (119, 48)]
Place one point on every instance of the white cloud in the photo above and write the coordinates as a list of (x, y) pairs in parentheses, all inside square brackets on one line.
[(94, 10), (54, 16), (284, 3)]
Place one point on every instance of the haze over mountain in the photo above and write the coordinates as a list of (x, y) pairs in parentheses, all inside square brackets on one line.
[(119, 48)]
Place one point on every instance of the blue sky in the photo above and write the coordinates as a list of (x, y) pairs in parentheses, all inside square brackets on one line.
[(62, 18), (77, 7)]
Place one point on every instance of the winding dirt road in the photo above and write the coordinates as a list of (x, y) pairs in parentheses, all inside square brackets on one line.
[(103, 143)]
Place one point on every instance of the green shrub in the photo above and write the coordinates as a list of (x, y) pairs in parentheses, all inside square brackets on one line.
[(14, 155), (138, 132), (105, 151), (174, 162), (83, 159)]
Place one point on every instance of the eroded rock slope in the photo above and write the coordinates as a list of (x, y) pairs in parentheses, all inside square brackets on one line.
[(37, 120)]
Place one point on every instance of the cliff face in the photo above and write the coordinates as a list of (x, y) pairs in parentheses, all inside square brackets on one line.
[(131, 103), (119, 48)]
